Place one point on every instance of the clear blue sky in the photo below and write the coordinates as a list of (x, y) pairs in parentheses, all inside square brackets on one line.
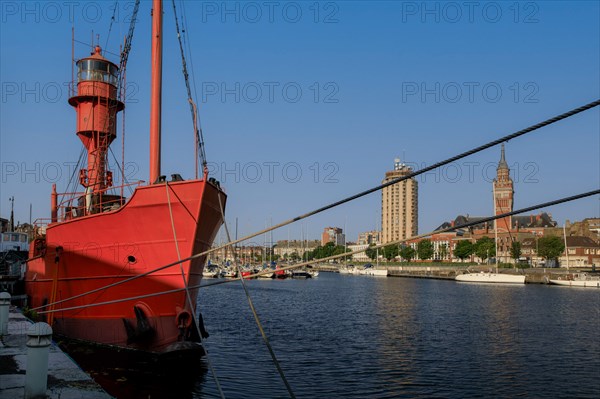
[(377, 80)]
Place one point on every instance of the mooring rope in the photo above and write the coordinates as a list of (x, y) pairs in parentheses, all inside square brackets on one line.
[(254, 313), (188, 296), (340, 202)]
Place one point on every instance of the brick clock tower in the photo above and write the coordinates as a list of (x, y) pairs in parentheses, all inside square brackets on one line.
[(503, 194)]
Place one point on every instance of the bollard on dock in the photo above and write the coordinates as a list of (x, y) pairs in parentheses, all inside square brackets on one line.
[(4, 307), (39, 338)]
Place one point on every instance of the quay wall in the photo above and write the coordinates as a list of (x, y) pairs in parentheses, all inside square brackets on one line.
[(532, 275)]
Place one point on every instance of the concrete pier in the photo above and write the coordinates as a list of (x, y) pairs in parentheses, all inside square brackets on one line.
[(65, 379), (532, 275), (434, 272)]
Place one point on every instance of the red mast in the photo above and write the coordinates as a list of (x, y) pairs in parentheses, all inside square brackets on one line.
[(97, 106), (156, 91)]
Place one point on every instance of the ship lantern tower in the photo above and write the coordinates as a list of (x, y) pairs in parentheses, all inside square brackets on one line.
[(97, 105)]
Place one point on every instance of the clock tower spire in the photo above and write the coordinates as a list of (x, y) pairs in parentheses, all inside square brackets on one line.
[(503, 193)]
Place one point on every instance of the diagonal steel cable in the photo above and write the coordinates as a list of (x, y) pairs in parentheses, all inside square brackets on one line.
[(187, 293), (255, 314)]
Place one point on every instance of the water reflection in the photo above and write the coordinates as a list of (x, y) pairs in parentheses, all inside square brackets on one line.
[(124, 374), (356, 337)]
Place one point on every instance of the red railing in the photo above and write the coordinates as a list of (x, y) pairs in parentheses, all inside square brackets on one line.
[(82, 203)]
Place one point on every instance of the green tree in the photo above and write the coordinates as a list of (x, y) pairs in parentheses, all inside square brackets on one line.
[(443, 251), (371, 252), (390, 251), (325, 251), (463, 250), (425, 249), (515, 250), (340, 249), (485, 248), (408, 253), (550, 247), (294, 256)]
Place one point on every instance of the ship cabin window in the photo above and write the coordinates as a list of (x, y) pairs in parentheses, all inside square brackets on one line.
[(13, 237), (97, 70)]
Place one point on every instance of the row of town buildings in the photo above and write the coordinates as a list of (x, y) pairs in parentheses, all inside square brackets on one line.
[(399, 221)]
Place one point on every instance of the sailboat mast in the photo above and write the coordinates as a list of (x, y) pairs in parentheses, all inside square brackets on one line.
[(156, 91), (566, 247), (271, 245)]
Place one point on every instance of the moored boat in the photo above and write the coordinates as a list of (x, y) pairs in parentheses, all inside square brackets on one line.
[(14, 247), (489, 277), (13, 241), (370, 270), (349, 269), (230, 272), (97, 237), (301, 274), (281, 273), (312, 271), (267, 273), (211, 272), (577, 280)]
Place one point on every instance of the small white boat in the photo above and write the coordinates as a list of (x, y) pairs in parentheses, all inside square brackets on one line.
[(230, 273), (211, 272), (346, 269), (370, 270), (267, 273), (578, 280), (312, 271), (489, 277), (377, 272)]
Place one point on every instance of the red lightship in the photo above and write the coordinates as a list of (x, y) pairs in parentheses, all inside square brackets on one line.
[(98, 237)]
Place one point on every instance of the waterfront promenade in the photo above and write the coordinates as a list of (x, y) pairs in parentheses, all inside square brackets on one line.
[(66, 380)]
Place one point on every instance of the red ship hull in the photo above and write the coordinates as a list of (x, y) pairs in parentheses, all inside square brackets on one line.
[(90, 252)]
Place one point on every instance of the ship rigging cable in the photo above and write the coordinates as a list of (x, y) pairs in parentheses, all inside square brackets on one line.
[(126, 48), (253, 310), (124, 181), (461, 226), (187, 292), (193, 108), (71, 179), (188, 46), (112, 20), (348, 199)]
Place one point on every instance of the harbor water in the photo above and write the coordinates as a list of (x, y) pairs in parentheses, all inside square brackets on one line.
[(359, 337)]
